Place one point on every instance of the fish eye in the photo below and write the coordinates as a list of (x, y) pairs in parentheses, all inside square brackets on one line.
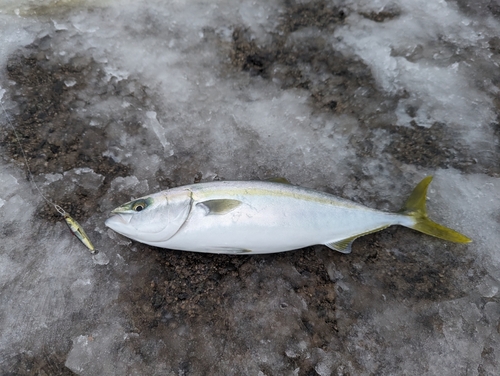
[(139, 206)]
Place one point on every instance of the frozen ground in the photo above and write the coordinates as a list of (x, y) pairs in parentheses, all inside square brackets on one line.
[(116, 99)]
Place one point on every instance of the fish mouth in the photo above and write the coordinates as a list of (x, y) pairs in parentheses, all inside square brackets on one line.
[(118, 220)]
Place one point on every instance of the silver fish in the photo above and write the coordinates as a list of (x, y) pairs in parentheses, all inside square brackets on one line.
[(251, 217)]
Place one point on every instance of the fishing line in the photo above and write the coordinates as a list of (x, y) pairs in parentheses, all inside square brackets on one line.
[(73, 225)]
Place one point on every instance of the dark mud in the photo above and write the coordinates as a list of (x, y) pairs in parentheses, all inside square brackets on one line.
[(387, 13), (205, 293), (53, 134), (431, 147), (299, 56)]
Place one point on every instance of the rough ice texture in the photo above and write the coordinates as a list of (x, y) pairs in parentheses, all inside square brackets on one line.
[(357, 98)]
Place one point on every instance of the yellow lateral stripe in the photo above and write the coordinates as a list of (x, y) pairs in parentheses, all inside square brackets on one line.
[(209, 193)]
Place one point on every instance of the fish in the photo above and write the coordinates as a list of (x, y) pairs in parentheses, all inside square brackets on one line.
[(256, 217)]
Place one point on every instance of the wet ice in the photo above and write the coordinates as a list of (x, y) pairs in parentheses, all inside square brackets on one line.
[(164, 96)]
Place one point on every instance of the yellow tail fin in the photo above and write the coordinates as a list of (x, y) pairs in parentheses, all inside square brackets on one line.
[(415, 207)]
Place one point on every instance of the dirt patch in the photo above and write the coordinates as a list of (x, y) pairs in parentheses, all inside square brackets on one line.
[(387, 13), (52, 95), (431, 147), (299, 56), (410, 271), (206, 292)]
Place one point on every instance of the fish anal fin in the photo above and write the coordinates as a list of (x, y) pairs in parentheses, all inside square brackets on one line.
[(219, 206), (228, 250), (243, 251), (345, 245)]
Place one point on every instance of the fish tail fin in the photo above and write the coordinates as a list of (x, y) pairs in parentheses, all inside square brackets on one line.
[(415, 208)]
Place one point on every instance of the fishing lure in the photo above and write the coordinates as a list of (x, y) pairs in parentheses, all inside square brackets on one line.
[(76, 229), (73, 225)]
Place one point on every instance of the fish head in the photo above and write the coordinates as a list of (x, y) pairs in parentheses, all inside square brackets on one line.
[(151, 219)]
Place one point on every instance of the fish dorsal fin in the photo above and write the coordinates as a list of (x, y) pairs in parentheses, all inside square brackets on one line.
[(219, 206), (281, 180), (345, 245)]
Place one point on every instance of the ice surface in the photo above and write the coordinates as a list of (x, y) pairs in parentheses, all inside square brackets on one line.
[(159, 131), (117, 99), (406, 56)]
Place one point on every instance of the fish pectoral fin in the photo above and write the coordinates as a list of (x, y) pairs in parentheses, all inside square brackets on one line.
[(345, 245), (220, 206)]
